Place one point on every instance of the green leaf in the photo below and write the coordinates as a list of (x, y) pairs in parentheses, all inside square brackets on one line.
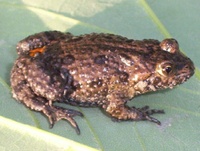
[(24, 137), (22, 129)]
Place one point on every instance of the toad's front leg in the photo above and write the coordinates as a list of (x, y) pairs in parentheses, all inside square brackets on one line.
[(118, 109)]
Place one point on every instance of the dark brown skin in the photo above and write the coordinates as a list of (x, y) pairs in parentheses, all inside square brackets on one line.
[(101, 70)]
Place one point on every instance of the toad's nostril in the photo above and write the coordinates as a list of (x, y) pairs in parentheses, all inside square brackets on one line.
[(186, 67)]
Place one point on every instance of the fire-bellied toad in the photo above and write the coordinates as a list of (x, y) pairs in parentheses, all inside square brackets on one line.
[(103, 70)]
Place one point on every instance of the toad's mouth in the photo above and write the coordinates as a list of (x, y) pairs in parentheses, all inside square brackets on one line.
[(184, 74), (181, 78)]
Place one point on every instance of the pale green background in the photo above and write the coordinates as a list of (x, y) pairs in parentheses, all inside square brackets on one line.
[(136, 19)]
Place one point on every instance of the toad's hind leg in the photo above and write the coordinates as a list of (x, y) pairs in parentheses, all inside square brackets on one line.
[(117, 109), (23, 93), (40, 40)]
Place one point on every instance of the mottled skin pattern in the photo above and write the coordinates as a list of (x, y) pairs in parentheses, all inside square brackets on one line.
[(101, 70)]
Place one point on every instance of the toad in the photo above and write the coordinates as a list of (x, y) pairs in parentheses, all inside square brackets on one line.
[(94, 70)]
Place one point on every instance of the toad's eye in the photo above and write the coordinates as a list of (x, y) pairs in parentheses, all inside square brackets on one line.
[(165, 68)]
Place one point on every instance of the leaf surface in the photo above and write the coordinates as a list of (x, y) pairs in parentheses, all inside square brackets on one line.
[(22, 129)]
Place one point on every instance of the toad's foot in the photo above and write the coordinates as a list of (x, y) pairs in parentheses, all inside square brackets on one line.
[(55, 114), (149, 111), (123, 112), (144, 114)]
